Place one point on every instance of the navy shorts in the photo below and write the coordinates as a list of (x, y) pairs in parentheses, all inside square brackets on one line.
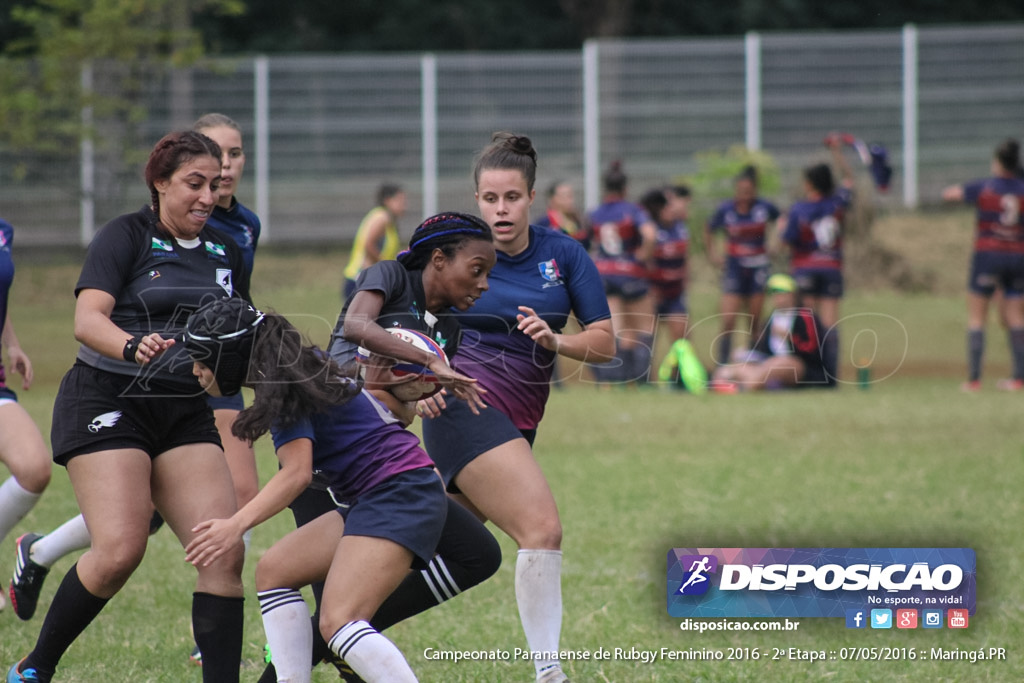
[(744, 280), (91, 413), (675, 305), (992, 269), (458, 436), (6, 394), (409, 509), (235, 402), (625, 287), (823, 282)]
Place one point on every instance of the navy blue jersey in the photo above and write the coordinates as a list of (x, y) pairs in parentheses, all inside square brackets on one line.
[(615, 229), (815, 231), (554, 276), (999, 204), (404, 306), (745, 233), (157, 282), (239, 223)]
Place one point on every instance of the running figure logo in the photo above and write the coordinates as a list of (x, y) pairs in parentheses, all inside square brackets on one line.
[(695, 580)]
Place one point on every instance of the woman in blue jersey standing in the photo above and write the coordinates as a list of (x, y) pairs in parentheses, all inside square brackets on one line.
[(998, 259), (744, 220), (509, 342), (624, 238), (814, 235)]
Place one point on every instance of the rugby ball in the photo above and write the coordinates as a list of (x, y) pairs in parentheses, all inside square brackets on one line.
[(426, 383)]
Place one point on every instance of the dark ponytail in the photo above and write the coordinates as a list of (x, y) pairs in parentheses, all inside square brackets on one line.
[(615, 179), (1008, 155)]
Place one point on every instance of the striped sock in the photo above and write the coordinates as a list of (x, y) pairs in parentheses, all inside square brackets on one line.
[(371, 655), (289, 633)]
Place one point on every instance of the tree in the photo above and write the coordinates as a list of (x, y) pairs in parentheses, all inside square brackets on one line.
[(43, 91)]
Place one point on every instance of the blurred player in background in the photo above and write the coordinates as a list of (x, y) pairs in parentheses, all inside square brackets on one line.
[(22, 448), (623, 238), (814, 234), (561, 213), (669, 208), (791, 352), (516, 329), (377, 238), (998, 260), (745, 221)]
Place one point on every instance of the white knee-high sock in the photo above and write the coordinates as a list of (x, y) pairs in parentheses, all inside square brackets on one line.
[(70, 536), (539, 595), (15, 502), (371, 655), (289, 633)]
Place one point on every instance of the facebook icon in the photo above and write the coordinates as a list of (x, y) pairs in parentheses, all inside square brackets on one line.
[(856, 618)]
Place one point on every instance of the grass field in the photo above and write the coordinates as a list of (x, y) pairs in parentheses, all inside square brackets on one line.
[(908, 462)]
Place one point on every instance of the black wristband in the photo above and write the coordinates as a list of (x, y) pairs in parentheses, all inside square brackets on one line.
[(130, 347)]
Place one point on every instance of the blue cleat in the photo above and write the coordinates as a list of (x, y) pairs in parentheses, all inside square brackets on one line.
[(26, 676)]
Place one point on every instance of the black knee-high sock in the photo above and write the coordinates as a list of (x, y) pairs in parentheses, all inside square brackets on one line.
[(1017, 351), (72, 610), (217, 622), (466, 555), (975, 350)]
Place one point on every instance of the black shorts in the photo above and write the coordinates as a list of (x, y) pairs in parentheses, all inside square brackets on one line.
[(457, 437), (92, 414), (408, 509), (625, 287)]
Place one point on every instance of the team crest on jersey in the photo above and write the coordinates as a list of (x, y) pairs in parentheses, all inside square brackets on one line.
[(162, 248), (154, 274), (3, 241), (549, 271), (224, 280), (215, 250)]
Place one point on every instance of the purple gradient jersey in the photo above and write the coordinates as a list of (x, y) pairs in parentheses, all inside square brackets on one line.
[(357, 445), (553, 276)]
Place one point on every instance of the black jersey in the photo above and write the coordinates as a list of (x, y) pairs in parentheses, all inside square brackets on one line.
[(156, 282), (404, 306)]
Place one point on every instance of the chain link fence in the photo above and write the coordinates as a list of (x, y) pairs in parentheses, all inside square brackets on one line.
[(323, 131)]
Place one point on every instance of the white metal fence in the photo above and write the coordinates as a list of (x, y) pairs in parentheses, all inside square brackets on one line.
[(323, 131)]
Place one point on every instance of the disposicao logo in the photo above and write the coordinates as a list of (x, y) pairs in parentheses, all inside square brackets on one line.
[(695, 580), (817, 582)]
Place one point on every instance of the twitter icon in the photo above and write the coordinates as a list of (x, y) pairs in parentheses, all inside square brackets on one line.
[(881, 618)]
